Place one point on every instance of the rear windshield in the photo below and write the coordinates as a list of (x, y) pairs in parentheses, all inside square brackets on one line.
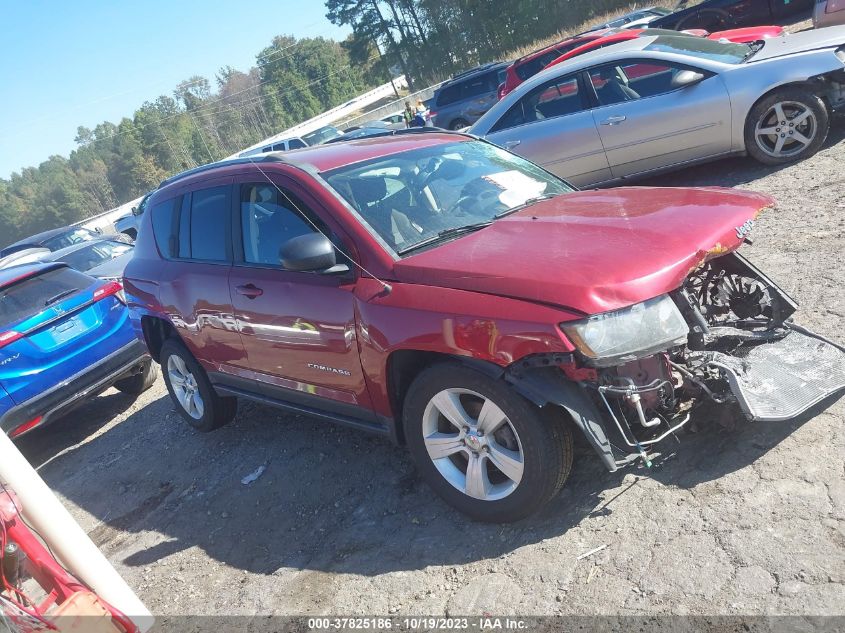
[(725, 52), (87, 257), (31, 295), (69, 239)]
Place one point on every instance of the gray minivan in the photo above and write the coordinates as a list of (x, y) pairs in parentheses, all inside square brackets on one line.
[(462, 100)]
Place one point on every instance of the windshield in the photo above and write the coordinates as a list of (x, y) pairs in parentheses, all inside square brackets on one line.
[(69, 239), (717, 51), (322, 135), (89, 256), (414, 196)]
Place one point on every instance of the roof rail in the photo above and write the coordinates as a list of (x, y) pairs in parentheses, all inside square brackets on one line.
[(382, 133), (246, 160), (477, 69)]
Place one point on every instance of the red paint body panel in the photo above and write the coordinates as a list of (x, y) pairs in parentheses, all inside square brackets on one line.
[(58, 584), (512, 79), (591, 251), (748, 34), (741, 36), (449, 321)]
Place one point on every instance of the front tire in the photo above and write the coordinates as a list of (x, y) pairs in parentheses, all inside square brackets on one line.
[(191, 390), (786, 126), (482, 447), (458, 124)]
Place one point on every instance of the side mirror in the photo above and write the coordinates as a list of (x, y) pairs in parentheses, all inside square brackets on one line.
[(686, 78), (135, 211), (310, 253)]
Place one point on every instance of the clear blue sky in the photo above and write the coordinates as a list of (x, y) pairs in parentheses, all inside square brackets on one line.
[(66, 64)]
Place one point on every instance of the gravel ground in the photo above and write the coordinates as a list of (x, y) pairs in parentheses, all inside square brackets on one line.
[(737, 518)]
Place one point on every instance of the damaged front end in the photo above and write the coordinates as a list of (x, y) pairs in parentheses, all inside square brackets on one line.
[(725, 337)]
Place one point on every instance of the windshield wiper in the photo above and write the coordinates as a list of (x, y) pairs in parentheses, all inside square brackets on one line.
[(527, 203), (446, 234), (754, 48), (59, 296)]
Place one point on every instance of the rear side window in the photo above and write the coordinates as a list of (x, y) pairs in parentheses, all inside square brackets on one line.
[(477, 86), (166, 227), (195, 226), (449, 94), (532, 67), (33, 294), (295, 143), (210, 224)]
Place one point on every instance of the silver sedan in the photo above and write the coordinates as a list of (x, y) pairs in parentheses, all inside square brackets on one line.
[(661, 102)]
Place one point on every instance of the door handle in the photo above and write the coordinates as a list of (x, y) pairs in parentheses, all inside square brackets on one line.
[(250, 291), (511, 144), (614, 120)]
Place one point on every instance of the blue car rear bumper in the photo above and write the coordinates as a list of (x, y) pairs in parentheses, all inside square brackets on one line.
[(89, 382)]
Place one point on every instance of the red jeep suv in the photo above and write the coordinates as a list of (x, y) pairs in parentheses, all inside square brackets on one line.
[(458, 299)]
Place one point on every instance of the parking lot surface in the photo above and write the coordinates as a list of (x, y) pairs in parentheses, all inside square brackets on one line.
[(734, 519)]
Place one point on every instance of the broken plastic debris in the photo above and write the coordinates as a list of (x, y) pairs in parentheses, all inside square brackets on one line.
[(254, 475), (591, 552)]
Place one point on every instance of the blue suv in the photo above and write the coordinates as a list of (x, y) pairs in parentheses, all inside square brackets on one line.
[(64, 337)]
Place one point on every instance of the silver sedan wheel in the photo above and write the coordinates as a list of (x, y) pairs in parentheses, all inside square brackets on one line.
[(185, 387), (473, 444), (786, 129)]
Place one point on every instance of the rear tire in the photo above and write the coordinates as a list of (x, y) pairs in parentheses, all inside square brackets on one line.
[(191, 390), (458, 124), (801, 130), (500, 427), (140, 382)]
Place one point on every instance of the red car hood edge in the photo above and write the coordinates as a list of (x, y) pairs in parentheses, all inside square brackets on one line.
[(592, 251)]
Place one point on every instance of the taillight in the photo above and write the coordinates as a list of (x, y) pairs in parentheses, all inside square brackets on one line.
[(109, 289), (26, 426), (8, 337)]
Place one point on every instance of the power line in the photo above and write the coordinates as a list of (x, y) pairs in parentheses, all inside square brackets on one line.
[(202, 109)]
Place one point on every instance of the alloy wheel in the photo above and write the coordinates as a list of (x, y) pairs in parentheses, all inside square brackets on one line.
[(185, 387), (473, 444), (786, 129)]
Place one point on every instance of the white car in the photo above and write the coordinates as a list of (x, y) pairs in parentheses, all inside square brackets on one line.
[(277, 146), (395, 121)]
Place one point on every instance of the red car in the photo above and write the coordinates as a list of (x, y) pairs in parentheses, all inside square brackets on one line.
[(530, 65), (460, 300)]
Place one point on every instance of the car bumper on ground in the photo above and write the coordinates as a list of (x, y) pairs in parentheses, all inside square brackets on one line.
[(73, 391)]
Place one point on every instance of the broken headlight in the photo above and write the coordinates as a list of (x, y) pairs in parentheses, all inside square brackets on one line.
[(637, 330)]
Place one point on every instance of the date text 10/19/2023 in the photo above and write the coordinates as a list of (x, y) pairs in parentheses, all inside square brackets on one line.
[(480, 623)]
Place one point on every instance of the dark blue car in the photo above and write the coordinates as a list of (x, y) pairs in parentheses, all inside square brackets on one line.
[(64, 337)]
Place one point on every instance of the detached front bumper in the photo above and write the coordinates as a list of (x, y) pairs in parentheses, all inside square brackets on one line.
[(73, 391), (782, 379)]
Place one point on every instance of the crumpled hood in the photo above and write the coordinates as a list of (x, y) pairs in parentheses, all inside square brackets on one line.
[(789, 44), (592, 251)]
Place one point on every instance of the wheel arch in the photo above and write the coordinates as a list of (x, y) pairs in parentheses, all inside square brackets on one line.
[(156, 330), (811, 84), (404, 365), (542, 386)]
